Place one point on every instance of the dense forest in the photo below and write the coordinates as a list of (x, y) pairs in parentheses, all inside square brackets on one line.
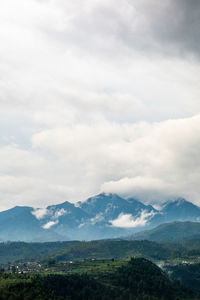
[(73, 250), (14, 251), (187, 274), (138, 279)]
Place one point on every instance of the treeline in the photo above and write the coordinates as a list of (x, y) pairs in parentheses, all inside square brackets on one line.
[(138, 280), (14, 251), (103, 249), (107, 249)]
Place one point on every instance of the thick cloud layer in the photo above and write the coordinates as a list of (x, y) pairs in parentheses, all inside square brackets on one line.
[(98, 96), (149, 161)]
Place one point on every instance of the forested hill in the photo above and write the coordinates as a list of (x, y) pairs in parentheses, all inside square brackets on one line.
[(139, 279), (14, 251), (103, 249)]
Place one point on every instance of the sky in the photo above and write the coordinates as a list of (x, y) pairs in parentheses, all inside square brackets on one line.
[(99, 96)]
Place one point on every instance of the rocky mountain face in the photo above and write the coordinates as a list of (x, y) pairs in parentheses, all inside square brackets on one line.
[(99, 217)]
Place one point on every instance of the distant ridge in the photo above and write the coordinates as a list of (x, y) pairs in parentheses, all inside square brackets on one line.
[(170, 232)]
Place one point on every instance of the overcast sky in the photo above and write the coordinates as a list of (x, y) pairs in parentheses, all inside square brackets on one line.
[(99, 95)]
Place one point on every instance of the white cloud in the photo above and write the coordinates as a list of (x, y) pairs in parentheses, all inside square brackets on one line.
[(128, 221), (50, 224), (40, 213), (146, 160), (59, 213), (151, 161)]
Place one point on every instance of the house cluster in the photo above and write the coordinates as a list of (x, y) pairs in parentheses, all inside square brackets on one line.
[(21, 268)]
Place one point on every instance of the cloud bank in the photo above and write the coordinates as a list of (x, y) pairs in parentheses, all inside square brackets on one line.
[(98, 96)]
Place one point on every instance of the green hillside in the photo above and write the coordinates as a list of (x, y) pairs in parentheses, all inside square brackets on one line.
[(103, 249), (13, 251), (138, 279), (170, 232), (107, 249)]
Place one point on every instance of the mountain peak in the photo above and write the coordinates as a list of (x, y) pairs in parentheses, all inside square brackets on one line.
[(102, 196), (106, 195), (173, 202), (180, 201)]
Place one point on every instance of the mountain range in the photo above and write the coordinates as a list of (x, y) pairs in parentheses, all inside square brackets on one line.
[(99, 217)]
